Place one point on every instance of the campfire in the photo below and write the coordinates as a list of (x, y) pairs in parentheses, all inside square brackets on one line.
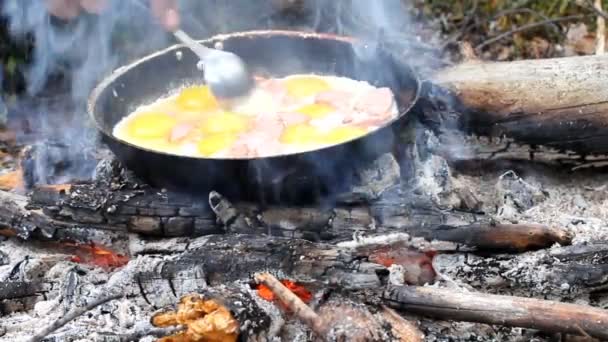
[(480, 216)]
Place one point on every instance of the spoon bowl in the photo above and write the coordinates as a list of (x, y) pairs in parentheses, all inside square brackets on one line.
[(225, 73)]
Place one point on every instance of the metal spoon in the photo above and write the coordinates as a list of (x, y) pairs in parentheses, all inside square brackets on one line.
[(224, 72)]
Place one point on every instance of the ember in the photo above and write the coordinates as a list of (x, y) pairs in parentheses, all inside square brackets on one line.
[(94, 255), (417, 266), (298, 290)]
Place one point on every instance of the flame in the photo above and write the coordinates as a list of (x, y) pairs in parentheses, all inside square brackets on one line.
[(95, 255), (298, 290)]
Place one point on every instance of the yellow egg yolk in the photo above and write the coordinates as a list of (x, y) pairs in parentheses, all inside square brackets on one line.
[(225, 122), (305, 86), (315, 110), (300, 134), (197, 98), (150, 125), (343, 134), (215, 143)]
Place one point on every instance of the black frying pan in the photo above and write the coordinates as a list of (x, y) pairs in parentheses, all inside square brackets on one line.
[(294, 178)]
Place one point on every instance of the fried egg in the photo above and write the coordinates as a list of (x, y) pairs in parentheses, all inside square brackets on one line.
[(293, 114), (302, 86), (224, 122), (197, 98)]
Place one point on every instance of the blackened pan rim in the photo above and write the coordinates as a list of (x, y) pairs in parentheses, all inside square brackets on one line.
[(116, 73)]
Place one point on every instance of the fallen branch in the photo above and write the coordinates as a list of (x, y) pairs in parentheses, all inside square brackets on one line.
[(44, 332), (509, 311), (408, 331), (525, 28)]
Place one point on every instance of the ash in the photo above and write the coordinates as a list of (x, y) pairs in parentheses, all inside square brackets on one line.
[(575, 201)]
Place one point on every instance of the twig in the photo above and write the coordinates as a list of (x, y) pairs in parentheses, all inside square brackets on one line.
[(601, 30), (524, 28), (405, 329), (44, 332), (544, 315), (302, 311), (156, 332), (597, 11)]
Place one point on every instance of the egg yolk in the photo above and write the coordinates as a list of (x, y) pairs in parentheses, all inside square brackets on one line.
[(300, 134), (342, 134), (225, 122), (215, 143), (197, 98), (150, 125), (315, 110), (306, 86)]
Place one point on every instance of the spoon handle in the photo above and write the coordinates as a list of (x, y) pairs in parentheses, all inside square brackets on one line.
[(200, 50)]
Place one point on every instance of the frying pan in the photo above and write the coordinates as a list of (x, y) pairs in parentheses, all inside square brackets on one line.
[(309, 177)]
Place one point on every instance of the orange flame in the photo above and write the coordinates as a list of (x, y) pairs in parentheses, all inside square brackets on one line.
[(97, 256), (298, 290)]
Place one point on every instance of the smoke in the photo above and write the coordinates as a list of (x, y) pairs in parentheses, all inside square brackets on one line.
[(89, 47), (68, 59)]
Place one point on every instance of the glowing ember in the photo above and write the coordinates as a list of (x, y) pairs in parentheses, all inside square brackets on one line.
[(417, 265), (96, 256), (298, 290)]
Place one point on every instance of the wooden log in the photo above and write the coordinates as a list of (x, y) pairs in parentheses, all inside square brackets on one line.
[(501, 237), (561, 103), (510, 311)]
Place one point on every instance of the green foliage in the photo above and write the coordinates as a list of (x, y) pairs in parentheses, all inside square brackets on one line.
[(14, 57)]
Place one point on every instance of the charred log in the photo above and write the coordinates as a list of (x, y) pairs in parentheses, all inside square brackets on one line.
[(565, 272)]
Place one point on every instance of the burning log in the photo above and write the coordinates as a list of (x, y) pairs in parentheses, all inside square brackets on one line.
[(340, 321), (567, 111), (538, 314)]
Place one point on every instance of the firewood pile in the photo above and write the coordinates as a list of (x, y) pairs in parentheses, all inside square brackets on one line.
[(429, 244)]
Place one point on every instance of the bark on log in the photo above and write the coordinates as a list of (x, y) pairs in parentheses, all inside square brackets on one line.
[(543, 315), (560, 103)]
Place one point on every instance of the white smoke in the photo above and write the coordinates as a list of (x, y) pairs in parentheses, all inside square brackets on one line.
[(91, 46)]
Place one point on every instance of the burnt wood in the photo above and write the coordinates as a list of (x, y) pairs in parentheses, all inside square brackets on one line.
[(70, 213)]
